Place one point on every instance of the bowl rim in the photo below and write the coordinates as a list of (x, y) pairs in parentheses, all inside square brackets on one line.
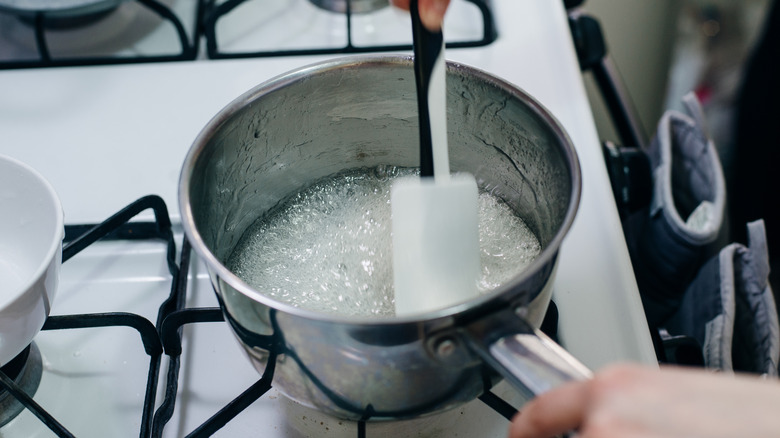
[(57, 231)]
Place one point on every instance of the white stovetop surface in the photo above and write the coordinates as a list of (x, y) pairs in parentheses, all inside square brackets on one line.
[(105, 136)]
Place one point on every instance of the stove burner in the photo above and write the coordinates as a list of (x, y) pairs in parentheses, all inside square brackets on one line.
[(66, 22), (58, 8), (25, 370), (355, 6), (106, 32)]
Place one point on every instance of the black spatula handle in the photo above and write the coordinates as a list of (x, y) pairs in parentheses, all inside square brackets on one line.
[(428, 47)]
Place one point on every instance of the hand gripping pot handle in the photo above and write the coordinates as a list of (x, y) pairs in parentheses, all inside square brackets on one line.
[(527, 358)]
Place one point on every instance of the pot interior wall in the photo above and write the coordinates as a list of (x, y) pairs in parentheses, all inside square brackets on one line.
[(292, 132)]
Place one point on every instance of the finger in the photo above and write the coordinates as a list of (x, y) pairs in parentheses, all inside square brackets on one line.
[(553, 413), (432, 13)]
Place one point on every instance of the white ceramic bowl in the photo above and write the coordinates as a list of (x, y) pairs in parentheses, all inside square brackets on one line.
[(31, 232)]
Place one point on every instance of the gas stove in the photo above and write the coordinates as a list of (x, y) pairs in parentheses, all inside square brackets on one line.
[(110, 123)]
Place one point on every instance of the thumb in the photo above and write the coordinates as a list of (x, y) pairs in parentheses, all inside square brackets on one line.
[(431, 11)]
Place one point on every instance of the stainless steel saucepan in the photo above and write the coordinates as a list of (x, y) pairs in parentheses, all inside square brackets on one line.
[(361, 112)]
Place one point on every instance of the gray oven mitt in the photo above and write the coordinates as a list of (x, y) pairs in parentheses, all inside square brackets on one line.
[(670, 239), (729, 309)]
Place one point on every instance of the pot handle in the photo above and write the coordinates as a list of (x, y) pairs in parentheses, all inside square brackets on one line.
[(529, 360)]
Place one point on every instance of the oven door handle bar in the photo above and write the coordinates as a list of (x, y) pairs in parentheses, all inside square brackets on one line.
[(593, 56)]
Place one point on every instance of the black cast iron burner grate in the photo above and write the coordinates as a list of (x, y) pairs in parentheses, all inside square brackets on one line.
[(207, 15), (171, 330), (188, 44), (213, 13), (160, 229), (165, 336)]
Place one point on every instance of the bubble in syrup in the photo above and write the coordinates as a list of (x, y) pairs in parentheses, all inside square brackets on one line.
[(328, 247)]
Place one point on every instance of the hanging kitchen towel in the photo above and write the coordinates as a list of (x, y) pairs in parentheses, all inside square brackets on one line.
[(671, 238), (729, 309)]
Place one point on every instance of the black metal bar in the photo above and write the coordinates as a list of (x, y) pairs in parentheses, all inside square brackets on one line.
[(171, 337), (620, 106), (349, 23), (154, 202), (499, 405), (170, 319), (361, 429), (489, 35), (170, 327), (346, 50), (178, 284), (14, 367), (338, 50), (361, 426), (187, 49), (128, 231), (205, 25), (170, 331), (177, 296), (592, 55), (148, 332), (165, 410), (210, 25), (34, 407), (173, 303), (81, 62), (143, 326), (149, 338), (40, 38), (235, 407), (149, 396), (489, 32)]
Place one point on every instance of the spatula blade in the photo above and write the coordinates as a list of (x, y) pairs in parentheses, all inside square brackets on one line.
[(435, 242)]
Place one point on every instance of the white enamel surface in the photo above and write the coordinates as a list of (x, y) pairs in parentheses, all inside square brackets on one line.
[(92, 132), (31, 231)]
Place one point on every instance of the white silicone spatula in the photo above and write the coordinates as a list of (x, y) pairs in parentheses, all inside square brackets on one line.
[(434, 217)]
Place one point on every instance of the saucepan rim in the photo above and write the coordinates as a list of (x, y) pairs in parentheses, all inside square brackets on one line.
[(545, 258)]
